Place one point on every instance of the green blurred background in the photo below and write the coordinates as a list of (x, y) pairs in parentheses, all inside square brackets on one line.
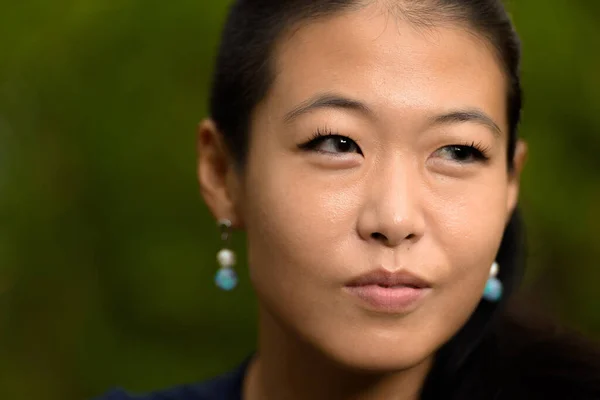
[(107, 253)]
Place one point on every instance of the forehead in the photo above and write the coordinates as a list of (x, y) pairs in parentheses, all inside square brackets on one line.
[(389, 63)]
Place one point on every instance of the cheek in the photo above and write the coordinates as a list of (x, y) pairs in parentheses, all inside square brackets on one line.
[(469, 228), (466, 224), (295, 222)]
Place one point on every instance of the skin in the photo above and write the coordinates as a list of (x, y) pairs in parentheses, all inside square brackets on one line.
[(406, 201)]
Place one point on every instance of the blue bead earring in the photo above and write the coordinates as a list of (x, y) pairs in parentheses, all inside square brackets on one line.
[(493, 287), (226, 278)]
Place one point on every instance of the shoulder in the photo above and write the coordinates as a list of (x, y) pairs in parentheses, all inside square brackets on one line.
[(227, 386), (538, 359), (524, 356)]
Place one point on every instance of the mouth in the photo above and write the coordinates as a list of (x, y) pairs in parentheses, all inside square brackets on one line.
[(383, 285), (387, 279), (386, 292)]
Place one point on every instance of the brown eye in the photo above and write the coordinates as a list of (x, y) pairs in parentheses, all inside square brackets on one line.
[(461, 153), (334, 144)]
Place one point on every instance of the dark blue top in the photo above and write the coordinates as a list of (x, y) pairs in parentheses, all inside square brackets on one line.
[(224, 387)]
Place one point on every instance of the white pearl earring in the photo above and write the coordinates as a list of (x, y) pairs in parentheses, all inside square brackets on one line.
[(493, 287), (226, 277)]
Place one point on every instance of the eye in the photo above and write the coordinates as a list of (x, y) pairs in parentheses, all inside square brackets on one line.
[(463, 153), (331, 144)]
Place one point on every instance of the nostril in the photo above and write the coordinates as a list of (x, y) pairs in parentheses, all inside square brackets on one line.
[(378, 236), (381, 237)]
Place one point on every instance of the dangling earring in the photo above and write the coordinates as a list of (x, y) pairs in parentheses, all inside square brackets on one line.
[(493, 287), (226, 278)]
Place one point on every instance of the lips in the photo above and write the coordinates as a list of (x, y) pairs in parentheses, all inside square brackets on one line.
[(389, 292), (387, 279)]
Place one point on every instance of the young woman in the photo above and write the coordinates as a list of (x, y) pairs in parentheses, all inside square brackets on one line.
[(370, 151)]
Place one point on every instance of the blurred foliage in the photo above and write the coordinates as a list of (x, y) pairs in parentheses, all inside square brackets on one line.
[(106, 251)]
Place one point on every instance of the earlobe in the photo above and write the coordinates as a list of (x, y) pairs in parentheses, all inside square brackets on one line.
[(216, 173), (519, 161)]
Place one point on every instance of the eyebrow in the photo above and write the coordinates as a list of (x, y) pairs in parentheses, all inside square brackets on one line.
[(327, 101), (468, 115), (334, 101)]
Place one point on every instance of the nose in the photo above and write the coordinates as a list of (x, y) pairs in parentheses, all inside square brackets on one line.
[(392, 211)]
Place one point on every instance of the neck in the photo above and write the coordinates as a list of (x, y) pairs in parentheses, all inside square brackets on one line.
[(286, 367)]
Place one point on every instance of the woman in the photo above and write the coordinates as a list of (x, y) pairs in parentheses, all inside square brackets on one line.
[(369, 149)]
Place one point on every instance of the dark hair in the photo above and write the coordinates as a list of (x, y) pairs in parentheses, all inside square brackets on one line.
[(244, 73)]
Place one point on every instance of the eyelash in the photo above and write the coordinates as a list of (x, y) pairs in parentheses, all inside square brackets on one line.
[(322, 134), (481, 152)]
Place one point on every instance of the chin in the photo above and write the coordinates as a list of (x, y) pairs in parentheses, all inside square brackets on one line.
[(370, 355)]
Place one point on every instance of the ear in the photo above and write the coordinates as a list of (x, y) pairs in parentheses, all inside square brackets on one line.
[(220, 184), (514, 179)]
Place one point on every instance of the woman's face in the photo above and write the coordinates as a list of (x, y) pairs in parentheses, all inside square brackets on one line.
[(415, 180)]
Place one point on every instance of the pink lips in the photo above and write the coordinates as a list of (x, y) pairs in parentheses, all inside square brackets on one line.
[(389, 292)]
